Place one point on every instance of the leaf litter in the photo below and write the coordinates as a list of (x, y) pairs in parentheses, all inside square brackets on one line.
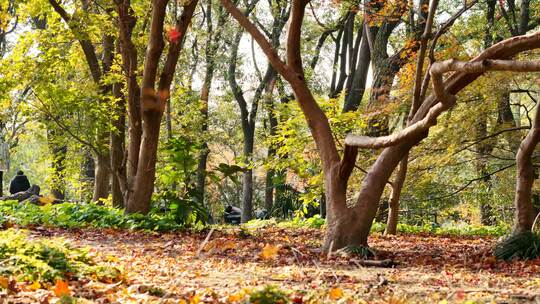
[(184, 268)]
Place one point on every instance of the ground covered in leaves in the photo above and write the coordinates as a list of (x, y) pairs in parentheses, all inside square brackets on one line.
[(234, 263)]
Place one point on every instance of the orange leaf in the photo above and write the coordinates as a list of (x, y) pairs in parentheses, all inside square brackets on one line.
[(61, 288), (335, 293), (269, 252)]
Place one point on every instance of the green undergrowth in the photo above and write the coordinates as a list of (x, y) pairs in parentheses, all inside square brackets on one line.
[(318, 222), (90, 215), (458, 230), (27, 259)]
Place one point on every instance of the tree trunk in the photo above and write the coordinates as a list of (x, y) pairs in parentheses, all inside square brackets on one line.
[(139, 202), (525, 213), (269, 190), (102, 175), (117, 138), (205, 151), (58, 183), (358, 86), (201, 173), (247, 177), (397, 187)]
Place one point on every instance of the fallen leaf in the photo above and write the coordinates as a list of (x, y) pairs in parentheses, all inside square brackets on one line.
[(4, 282), (61, 288), (269, 252), (335, 293)]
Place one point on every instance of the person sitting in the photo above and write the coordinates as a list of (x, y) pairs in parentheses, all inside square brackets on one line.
[(19, 183)]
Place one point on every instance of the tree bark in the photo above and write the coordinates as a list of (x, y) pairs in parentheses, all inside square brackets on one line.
[(153, 101), (525, 213), (393, 204), (58, 152), (102, 176), (117, 142)]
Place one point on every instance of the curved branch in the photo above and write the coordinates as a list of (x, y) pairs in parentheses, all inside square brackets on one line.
[(446, 100)]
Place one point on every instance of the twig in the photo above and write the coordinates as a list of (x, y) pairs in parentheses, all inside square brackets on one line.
[(329, 255), (204, 242)]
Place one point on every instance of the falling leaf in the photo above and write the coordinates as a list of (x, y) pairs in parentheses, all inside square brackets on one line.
[(174, 35), (61, 288), (335, 293), (269, 252)]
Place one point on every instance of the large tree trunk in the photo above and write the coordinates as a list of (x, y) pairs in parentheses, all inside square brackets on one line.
[(353, 225), (139, 202), (358, 85), (153, 101)]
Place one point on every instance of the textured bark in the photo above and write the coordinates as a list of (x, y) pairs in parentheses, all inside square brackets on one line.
[(358, 85), (130, 66), (153, 101), (393, 204), (525, 213), (144, 180), (101, 177), (117, 143)]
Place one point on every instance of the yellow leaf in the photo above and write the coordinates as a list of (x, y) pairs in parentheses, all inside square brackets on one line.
[(194, 299), (236, 297), (46, 200), (61, 288), (269, 252), (4, 282), (335, 293), (35, 286)]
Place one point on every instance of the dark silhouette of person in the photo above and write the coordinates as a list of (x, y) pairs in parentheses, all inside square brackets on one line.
[(19, 183)]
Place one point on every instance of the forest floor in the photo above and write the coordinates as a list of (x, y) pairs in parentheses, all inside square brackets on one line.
[(430, 269)]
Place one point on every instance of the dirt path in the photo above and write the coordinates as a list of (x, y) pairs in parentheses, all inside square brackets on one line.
[(430, 269)]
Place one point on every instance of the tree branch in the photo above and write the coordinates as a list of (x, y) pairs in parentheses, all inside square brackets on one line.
[(446, 100)]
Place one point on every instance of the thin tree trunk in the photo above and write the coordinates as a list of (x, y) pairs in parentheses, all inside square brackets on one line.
[(247, 177), (393, 204), (358, 86), (58, 152), (117, 138)]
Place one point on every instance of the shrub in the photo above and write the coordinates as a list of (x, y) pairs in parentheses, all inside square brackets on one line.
[(73, 215), (268, 295), (41, 260)]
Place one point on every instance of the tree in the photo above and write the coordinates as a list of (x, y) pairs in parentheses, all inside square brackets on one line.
[(101, 155), (351, 226), (148, 103)]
